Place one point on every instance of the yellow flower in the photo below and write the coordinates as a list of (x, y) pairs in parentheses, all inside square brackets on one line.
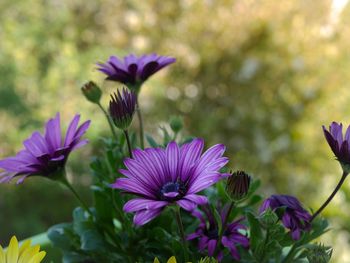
[(21, 254), (170, 260)]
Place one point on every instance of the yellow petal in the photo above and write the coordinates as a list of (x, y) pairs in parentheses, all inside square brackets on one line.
[(172, 260), (12, 251), (38, 257), (2, 255), (24, 247), (28, 254), (155, 261)]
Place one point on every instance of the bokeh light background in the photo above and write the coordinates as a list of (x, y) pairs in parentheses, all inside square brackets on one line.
[(259, 76)]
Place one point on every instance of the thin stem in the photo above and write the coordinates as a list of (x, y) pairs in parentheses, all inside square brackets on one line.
[(265, 245), (139, 116), (109, 120), (331, 196), (290, 254), (223, 226), (70, 187), (128, 142), (181, 230)]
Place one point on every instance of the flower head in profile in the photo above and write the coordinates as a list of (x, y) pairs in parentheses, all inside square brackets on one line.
[(133, 70), (122, 107), (21, 254), (339, 144), (162, 177), (44, 155), (294, 216), (207, 233)]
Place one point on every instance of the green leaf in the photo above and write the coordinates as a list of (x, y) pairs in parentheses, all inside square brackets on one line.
[(151, 141), (256, 234)]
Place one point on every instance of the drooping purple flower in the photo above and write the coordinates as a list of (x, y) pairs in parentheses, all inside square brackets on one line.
[(133, 70), (339, 144), (294, 217), (160, 177), (44, 155), (207, 233), (122, 107)]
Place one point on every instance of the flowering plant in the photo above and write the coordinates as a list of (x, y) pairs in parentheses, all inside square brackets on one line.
[(173, 196)]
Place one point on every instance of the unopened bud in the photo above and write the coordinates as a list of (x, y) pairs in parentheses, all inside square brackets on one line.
[(92, 92), (268, 218), (122, 108), (237, 186), (319, 254), (176, 123)]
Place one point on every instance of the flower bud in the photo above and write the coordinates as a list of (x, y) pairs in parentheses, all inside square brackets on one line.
[(92, 92), (176, 123), (319, 254), (122, 107), (237, 186), (268, 218)]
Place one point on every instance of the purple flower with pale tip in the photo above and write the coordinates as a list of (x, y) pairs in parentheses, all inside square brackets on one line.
[(133, 70), (162, 177), (294, 217), (207, 233), (44, 155), (339, 144)]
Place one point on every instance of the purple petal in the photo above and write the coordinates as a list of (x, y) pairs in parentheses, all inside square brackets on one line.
[(143, 217), (71, 130), (187, 205), (143, 204), (198, 199), (172, 155), (53, 133), (190, 153), (211, 247)]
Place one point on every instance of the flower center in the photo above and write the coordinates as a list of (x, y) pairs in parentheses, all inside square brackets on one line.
[(172, 191), (213, 233)]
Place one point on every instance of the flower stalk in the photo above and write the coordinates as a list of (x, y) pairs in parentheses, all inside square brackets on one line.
[(71, 188), (329, 199), (109, 120), (127, 137), (181, 231)]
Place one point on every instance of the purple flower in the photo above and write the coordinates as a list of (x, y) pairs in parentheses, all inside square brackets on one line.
[(208, 234), (44, 155), (174, 175), (340, 145), (132, 70), (294, 217), (122, 107)]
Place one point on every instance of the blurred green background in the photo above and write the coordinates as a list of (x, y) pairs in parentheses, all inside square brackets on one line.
[(259, 76)]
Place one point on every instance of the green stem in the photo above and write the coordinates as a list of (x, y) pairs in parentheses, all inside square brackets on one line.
[(182, 232), (70, 187), (331, 196), (139, 116), (265, 245), (128, 142), (290, 254), (223, 226), (109, 120)]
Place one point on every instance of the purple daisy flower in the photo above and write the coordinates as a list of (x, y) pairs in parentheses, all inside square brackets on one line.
[(132, 70), (294, 217), (340, 145), (44, 155), (174, 175), (208, 233)]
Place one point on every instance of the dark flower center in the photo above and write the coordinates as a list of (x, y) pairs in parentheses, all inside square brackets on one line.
[(212, 233), (172, 191)]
